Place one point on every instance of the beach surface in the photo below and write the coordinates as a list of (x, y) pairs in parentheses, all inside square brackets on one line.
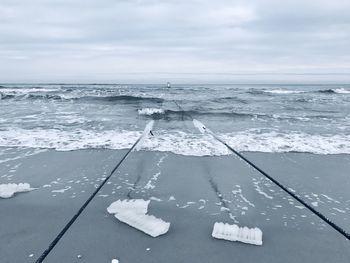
[(190, 192)]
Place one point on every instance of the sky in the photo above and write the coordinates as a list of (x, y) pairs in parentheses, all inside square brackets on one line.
[(150, 41)]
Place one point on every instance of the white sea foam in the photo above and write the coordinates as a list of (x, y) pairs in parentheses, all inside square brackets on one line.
[(8, 190), (176, 141), (239, 192), (150, 183), (61, 190), (289, 142), (260, 191), (150, 111), (13, 91), (339, 210), (280, 91), (330, 198), (341, 91), (19, 155)]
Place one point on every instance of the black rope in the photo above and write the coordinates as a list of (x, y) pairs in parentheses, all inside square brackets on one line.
[(74, 218), (296, 197)]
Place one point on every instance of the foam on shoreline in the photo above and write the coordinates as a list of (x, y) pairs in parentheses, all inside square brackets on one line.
[(8, 190), (178, 142)]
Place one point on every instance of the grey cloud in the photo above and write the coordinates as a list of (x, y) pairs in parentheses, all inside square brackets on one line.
[(98, 40)]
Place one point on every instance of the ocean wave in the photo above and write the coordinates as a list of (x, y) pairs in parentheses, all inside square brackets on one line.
[(229, 99), (29, 95), (257, 92), (281, 91), (168, 114), (342, 91), (286, 91), (177, 141), (6, 96), (150, 111), (271, 92), (156, 114), (332, 91), (127, 98), (43, 97), (26, 90)]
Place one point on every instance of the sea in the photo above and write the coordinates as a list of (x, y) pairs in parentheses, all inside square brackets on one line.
[(251, 118)]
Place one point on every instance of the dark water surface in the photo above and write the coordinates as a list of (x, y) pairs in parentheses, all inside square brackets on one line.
[(265, 118)]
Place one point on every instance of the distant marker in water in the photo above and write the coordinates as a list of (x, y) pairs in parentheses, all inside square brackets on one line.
[(168, 85)]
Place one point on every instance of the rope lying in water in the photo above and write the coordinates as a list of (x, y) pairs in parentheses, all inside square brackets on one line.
[(81, 209), (280, 185)]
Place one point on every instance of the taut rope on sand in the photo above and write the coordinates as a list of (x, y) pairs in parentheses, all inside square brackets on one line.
[(280, 185), (81, 209)]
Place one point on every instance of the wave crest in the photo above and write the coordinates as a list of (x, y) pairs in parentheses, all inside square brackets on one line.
[(286, 91), (114, 98), (150, 111), (176, 141)]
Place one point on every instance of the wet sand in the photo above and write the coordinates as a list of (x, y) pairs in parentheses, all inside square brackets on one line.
[(205, 189)]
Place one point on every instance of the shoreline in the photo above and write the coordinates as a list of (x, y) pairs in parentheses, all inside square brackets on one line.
[(31, 220)]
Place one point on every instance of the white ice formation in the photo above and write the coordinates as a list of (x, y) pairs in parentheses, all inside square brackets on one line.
[(8, 190), (133, 212), (235, 233), (139, 206), (146, 223)]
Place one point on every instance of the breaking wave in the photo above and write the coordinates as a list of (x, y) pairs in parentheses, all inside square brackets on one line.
[(156, 114), (339, 91), (20, 90), (281, 91), (37, 96), (286, 91), (177, 141), (126, 98), (177, 114), (150, 111)]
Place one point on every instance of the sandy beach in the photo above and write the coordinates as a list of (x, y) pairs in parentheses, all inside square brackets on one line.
[(151, 131), (192, 193)]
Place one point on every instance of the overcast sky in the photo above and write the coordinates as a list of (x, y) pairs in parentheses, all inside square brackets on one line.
[(181, 41)]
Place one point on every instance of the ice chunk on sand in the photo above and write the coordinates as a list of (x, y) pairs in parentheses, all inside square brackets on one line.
[(136, 205), (235, 233), (146, 223), (144, 135), (133, 212), (8, 190)]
